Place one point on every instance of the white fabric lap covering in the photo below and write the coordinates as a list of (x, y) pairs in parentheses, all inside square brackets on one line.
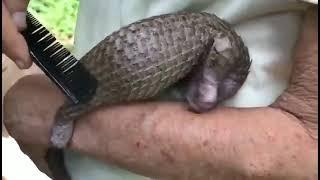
[(269, 29)]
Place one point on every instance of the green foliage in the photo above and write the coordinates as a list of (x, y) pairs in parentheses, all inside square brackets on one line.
[(59, 16)]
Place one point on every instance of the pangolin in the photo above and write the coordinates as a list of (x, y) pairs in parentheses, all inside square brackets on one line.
[(142, 59)]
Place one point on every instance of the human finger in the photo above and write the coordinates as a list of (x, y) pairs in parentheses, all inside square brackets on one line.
[(13, 43), (17, 9)]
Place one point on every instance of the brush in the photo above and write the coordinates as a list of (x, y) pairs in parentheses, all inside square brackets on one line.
[(58, 63)]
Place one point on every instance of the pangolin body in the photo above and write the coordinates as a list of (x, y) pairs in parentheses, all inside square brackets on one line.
[(145, 57), (142, 59)]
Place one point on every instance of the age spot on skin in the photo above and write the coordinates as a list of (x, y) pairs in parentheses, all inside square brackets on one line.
[(280, 165), (205, 143), (298, 136), (167, 156), (138, 144), (252, 140)]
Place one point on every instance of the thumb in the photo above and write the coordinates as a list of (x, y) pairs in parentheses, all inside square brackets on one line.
[(13, 43), (17, 9)]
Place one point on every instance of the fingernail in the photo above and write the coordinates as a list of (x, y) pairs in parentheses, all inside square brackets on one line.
[(19, 18), (20, 64)]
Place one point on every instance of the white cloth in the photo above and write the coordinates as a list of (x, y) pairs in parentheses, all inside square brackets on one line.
[(269, 29)]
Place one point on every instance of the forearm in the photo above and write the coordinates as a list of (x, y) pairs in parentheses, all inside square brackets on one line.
[(163, 140)]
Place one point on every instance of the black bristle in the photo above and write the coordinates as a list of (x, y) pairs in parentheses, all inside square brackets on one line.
[(58, 63)]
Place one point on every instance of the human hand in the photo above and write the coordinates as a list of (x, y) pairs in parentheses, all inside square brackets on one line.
[(13, 22), (166, 141)]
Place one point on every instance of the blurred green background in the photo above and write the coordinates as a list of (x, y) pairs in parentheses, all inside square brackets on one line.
[(58, 16)]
